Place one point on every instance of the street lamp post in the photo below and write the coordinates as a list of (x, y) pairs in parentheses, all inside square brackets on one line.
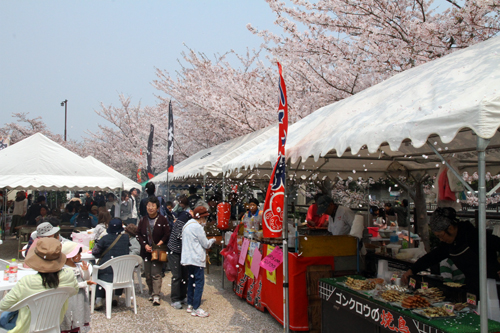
[(65, 104)]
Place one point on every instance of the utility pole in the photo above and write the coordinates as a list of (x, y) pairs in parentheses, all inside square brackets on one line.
[(65, 104)]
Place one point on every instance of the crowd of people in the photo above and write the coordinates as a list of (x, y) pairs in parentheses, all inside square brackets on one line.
[(129, 226)]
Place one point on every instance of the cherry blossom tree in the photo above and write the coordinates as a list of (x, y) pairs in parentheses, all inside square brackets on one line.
[(120, 140), (24, 127), (341, 47)]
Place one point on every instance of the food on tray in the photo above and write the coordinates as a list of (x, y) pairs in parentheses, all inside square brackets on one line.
[(395, 287), (434, 312), (414, 302), (377, 281), (453, 284), (357, 284), (393, 296), (432, 294), (459, 306)]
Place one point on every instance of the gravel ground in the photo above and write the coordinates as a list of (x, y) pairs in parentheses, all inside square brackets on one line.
[(228, 313)]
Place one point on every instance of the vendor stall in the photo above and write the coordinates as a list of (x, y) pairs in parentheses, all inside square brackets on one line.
[(318, 256), (348, 310)]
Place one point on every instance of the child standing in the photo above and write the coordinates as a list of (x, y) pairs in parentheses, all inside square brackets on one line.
[(77, 317), (193, 256)]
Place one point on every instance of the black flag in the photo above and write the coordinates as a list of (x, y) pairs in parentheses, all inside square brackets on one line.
[(150, 151), (170, 163)]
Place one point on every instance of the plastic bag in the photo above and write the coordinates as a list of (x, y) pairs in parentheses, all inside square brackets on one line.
[(230, 253)]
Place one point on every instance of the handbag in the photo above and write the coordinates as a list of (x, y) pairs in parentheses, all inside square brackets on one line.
[(159, 253)]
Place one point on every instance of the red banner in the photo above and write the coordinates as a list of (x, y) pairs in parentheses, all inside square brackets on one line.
[(272, 218)]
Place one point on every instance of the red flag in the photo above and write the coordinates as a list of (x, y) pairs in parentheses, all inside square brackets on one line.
[(272, 217)]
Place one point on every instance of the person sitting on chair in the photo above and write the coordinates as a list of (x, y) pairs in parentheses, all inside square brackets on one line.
[(46, 258)]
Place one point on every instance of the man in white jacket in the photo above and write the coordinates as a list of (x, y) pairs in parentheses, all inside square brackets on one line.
[(194, 246)]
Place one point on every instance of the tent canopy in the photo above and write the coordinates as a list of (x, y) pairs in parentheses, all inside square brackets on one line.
[(39, 163), (127, 183), (211, 160), (446, 102)]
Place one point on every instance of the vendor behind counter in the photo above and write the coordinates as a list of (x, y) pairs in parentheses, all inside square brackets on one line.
[(459, 241), (340, 218)]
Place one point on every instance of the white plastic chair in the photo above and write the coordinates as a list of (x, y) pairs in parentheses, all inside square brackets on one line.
[(123, 278), (45, 308), (3, 264), (138, 272)]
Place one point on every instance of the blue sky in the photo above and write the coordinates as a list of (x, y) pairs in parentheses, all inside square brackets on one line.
[(89, 52)]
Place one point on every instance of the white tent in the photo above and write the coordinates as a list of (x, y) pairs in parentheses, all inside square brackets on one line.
[(447, 107), (442, 101), (211, 160), (127, 183), (38, 163)]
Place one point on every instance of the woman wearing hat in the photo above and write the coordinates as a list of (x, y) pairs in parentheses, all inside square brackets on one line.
[(105, 249), (153, 233), (459, 242), (194, 245), (48, 260), (43, 230)]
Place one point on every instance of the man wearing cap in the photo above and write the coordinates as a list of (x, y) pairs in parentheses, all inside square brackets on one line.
[(341, 218), (460, 242), (48, 261), (194, 246), (106, 249)]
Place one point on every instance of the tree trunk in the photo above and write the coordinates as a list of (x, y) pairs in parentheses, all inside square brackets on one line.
[(421, 221)]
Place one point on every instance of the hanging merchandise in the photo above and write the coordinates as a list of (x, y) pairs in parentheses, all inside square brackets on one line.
[(230, 254)]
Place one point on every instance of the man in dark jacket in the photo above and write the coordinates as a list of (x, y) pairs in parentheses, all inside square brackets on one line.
[(103, 246), (153, 233), (459, 242), (178, 291), (193, 197), (34, 210)]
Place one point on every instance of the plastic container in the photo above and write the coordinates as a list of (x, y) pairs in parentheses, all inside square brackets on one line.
[(373, 231), (13, 271), (6, 273)]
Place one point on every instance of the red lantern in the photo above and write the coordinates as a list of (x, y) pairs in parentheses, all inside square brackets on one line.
[(223, 215)]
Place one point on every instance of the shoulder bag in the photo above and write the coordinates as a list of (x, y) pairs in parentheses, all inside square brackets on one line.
[(159, 253), (109, 248)]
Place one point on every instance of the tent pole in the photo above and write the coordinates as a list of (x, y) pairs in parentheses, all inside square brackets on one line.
[(286, 305), (4, 213), (455, 172), (223, 232), (205, 187), (483, 294), (168, 188)]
